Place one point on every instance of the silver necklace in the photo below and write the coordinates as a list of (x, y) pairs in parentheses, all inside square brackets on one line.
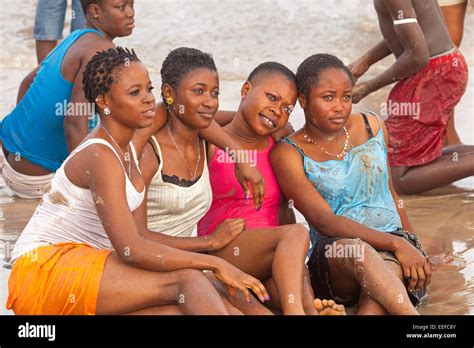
[(339, 155), (126, 158), (193, 177)]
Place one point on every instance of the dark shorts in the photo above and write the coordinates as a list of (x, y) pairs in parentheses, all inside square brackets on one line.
[(319, 272)]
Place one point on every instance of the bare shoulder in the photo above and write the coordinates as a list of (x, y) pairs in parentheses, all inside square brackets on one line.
[(284, 153), (375, 121), (148, 163), (91, 162), (89, 44)]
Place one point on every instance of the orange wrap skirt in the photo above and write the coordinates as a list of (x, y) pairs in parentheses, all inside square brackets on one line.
[(57, 279)]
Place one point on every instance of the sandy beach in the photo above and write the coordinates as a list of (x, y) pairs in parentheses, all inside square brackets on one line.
[(240, 35)]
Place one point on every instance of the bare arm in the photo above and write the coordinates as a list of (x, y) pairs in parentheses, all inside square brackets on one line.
[(222, 235), (414, 57), (244, 172), (25, 84), (372, 56), (148, 167), (224, 117), (106, 175), (214, 134)]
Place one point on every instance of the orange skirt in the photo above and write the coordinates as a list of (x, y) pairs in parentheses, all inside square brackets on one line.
[(57, 279)]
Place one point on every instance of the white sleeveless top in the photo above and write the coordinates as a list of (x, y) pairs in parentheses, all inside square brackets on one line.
[(175, 210), (67, 212)]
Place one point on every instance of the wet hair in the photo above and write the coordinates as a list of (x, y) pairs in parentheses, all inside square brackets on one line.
[(101, 70), (311, 68), (271, 68), (180, 62), (86, 3)]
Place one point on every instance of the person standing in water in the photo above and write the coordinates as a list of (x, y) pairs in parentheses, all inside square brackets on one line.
[(432, 78)]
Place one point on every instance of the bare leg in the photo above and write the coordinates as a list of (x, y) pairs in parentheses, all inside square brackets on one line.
[(311, 305), (236, 303), (158, 310), (372, 275), (368, 306), (272, 290), (457, 149), (273, 252), (308, 295), (126, 289), (451, 136), (175, 310), (43, 47), (442, 171)]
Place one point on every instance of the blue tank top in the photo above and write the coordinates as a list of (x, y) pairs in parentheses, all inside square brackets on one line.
[(356, 187), (35, 127)]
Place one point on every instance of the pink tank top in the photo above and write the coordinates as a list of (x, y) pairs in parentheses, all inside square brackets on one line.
[(229, 198)]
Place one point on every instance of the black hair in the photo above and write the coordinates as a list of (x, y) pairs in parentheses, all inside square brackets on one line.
[(309, 71), (100, 70), (271, 68), (86, 3), (180, 62)]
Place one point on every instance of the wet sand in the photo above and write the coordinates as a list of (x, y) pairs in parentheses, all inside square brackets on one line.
[(442, 218)]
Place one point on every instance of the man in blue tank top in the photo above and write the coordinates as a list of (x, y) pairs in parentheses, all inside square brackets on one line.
[(51, 116)]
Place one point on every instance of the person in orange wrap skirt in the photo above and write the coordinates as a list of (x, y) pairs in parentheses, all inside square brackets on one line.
[(82, 251)]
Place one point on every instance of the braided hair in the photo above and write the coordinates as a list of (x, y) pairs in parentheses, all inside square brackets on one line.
[(180, 62), (102, 68), (310, 70)]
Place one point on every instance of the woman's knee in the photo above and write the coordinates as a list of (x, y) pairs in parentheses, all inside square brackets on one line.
[(355, 253), (189, 276), (297, 232)]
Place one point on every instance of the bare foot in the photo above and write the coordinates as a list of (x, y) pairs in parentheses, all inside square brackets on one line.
[(330, 307)]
